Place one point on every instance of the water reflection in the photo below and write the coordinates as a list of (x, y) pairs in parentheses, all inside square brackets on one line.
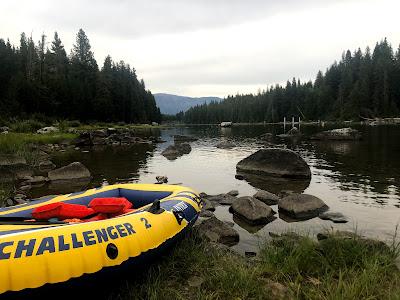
[(276, 184)]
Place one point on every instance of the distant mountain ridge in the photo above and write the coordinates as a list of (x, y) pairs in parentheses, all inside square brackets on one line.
[(172, 104)]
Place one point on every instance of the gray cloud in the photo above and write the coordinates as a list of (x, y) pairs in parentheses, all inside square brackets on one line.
[(133, 19)]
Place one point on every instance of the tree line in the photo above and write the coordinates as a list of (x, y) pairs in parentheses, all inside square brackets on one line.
[(361, 85), (37, 79)]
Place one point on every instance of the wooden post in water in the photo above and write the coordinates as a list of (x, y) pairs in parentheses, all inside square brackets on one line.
[(284, 124), (292, 122), (299, 122)]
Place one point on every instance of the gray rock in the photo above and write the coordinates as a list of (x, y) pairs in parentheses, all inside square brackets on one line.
[(223, 199), (293, 131), (208, 205), (102, 133), (217, 231), (175, 151), (225, 145), (20, 199), (335, 217), (48, 129), (184, 148), (252, 210), (46, 165), (301, 206), (266, 197), (162, 179), (4, 129), (171, 152), (233, 193), (275, 162), (73, 171), (341, 134)]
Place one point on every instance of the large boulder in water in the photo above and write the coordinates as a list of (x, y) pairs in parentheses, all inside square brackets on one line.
[(252, 210), (275, 162), (301, 206), (73, 171), (341, 134)]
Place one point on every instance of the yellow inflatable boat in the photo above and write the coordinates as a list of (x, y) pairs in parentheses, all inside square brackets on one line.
[(35, 252)]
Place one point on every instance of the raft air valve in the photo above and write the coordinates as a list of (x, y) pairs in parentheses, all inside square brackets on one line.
[(112, 251)]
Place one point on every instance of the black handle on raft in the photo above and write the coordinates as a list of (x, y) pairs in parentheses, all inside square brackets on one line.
[(179, 215), (155, 208)]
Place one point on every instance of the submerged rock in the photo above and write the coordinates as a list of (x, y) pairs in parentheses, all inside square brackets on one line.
[(341, 134), (275, 162), (252, 210), (301, 206), (184, 138), (267, 136), (225, 145), (217, 231), (233, 193), (73, 171), (266, 197), (223, 199), (335, 217)]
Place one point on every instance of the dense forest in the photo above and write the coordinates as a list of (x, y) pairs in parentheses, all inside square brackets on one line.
[(361, 85), (39, 80)]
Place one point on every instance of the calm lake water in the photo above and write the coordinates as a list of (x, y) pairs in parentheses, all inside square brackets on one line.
[(361, 179)]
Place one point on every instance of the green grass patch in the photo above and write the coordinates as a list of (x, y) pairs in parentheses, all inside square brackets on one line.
[(14, 142), (336, 268)]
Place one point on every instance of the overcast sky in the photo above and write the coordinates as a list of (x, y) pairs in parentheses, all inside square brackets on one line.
[(211, 47)]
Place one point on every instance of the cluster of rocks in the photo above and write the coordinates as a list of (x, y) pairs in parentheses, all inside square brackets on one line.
[(24, 176), (294, 134), (110, 136), (341, 134), (255, 211)]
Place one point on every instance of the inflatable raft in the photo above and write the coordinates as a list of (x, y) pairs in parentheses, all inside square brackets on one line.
[(49, 249)]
